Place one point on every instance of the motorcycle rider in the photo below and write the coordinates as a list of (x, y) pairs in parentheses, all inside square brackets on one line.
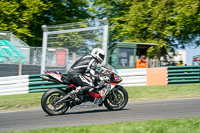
[(85, 65)]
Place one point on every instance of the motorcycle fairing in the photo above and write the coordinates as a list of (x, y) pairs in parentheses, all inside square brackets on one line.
[(102, 92)]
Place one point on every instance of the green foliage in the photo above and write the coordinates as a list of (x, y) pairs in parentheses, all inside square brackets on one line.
[(17, 16), (78, 42), (163, 22), (156, 52), (25, 17)]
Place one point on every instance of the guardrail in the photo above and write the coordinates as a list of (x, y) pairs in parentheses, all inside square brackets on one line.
[(183, 74), (130, 77), (36, 84), (33, 83), (14, 85), (133, 77), (25, 84)]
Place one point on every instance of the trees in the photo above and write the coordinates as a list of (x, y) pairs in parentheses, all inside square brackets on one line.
[(17, 16), (25, 18), (59, 12), (163, 22)]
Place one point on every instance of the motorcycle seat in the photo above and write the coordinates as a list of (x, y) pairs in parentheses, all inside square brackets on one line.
[(65, 79)]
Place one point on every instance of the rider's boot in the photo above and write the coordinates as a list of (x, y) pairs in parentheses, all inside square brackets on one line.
[(77, 95), (73, 95)]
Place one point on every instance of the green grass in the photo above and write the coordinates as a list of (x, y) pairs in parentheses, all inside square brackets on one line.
[(30, 101), (186, 125), (163, 92), (20, 102)]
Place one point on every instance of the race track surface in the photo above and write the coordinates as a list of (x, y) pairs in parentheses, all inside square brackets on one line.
[(34, 119)]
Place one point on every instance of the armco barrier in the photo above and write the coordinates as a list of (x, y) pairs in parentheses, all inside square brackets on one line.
[(25, 84), (14, 85), (130, 77), (133, 77), (36, 84), (183, 74), (33, 83)]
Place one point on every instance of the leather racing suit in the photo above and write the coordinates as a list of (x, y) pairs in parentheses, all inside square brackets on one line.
[(86, 65)]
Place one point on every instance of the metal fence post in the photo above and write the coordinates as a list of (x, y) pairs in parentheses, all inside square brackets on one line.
[(105, 39), (44, 47)]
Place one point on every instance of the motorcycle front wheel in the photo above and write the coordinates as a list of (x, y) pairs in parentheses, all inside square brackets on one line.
[(117, 99), (49, 99)]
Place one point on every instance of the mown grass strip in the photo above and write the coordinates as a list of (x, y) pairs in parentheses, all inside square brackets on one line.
[(29, 101), (141, 93), (186, 125), (20, 102)]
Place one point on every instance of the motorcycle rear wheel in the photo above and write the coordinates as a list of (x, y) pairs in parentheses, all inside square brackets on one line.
[(117, 99), (49, 99)]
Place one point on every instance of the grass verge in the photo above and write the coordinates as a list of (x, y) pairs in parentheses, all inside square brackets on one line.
[(141, 93), (20, 102), (186, 125), (30, 101)]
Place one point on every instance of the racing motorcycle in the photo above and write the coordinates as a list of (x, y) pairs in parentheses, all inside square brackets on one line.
[(107, 92)]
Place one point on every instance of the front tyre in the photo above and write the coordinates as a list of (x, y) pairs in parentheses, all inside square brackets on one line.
[(49, 99), (117, 99)]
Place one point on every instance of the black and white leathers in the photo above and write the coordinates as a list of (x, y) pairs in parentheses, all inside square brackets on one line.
[(85, 65)]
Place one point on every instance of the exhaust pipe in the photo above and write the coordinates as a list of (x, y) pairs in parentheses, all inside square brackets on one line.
[(44, 77), (48, 79)]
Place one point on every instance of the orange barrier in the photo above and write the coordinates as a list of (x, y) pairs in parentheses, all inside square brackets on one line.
[(157, 76)]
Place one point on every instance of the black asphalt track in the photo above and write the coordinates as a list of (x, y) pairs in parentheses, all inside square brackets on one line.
[(135, 111)]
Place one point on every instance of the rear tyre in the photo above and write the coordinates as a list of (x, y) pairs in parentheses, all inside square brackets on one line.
[(117, 99), (49, 99)]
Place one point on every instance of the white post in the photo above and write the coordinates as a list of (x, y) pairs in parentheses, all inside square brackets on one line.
[(105, 39), (44, 48)]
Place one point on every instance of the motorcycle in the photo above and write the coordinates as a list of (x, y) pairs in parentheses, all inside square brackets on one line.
[(107, 92)]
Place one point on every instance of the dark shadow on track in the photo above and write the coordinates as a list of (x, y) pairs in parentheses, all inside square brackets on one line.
[(89, 111), (93, 111)]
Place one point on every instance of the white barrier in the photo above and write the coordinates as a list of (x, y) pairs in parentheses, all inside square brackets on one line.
[(14, 85), (14, 77), (20, 84), (133, 77), (8, 82)]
